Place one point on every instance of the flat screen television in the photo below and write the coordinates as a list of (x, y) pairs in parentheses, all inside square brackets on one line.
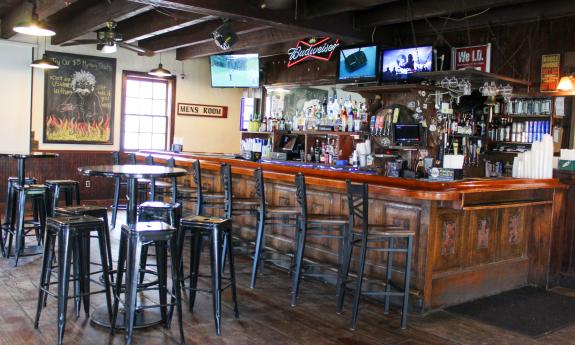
[(358, 64), (240, 70), (400, 64), (407, 134)]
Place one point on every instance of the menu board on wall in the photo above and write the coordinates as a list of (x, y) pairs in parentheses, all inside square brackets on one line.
[(550, 72), (79, 99)]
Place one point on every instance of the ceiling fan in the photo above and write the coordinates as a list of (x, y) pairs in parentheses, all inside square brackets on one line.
[(108, 40)]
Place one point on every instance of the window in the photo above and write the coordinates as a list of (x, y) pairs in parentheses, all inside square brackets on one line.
[(147, 112)]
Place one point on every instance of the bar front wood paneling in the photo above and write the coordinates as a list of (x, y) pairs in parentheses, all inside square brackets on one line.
[(473, 238)]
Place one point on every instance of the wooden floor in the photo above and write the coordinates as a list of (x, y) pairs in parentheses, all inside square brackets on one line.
[(265, 318)]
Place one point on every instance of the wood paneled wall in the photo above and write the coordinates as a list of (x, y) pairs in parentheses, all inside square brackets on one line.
[(63, 167)]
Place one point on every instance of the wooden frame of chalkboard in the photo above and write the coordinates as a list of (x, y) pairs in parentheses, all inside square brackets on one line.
[(79, 100)]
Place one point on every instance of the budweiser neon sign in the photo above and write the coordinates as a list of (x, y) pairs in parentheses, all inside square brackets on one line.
[(312, 48)]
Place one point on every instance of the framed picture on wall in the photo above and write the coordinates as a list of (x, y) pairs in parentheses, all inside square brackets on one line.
[(79, 100)]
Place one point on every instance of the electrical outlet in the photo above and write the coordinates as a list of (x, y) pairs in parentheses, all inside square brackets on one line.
[(88, 184)]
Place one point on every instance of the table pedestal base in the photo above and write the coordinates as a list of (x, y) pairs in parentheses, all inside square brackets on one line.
[(144, 318)]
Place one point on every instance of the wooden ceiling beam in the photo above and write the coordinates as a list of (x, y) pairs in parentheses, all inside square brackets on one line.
[(156, 22), (320, 8), (94, 18), (196, 34), (398, 12), (268, 50), (496, 17), (340, 25), (22, 12), (250, 40)]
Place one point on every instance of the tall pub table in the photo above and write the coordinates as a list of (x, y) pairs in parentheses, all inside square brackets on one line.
[(21, 159), (147, 317)]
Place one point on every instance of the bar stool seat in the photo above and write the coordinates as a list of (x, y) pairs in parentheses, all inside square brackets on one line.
[(93, 211), (71, 191), (72, 235), (38, 194)]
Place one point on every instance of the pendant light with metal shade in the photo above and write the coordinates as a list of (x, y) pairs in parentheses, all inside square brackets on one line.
[(44, 62), (34, 27), (160, 71)]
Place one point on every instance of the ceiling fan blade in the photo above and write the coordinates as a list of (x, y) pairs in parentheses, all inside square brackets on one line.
[(79, 42), (136, 49)]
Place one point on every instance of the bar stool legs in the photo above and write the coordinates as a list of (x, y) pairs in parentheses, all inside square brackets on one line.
[(72, 235), (218, 230)]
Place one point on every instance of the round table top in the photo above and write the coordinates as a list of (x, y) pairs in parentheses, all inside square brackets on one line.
[(29, 155), (131, 171)]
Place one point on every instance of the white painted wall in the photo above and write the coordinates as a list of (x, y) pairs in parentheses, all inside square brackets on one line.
[(200, 134), (15, 93)]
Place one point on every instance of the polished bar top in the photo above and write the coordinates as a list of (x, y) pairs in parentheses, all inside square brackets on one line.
[(393, 186)]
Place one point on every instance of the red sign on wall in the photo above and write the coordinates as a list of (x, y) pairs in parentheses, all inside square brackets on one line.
[(312, 48), (477, 57)]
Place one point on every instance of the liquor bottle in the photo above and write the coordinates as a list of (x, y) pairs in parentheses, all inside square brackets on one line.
[(317, 151), (338, 122), (322, 154), (350, 120), (282, 122), (482, 126), (343, 119)]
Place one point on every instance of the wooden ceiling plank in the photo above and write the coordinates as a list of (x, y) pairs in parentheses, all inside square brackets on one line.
[(501, 16), (340, 25), (157, 22), (22, 12), (320, 8), (250, 40), (94, 18), (196, 34), (398, 12)]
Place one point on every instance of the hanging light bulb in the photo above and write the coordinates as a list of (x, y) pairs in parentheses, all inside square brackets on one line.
[(109, 48), (34, 27), (565, 84), (160, 71), (44, 62)]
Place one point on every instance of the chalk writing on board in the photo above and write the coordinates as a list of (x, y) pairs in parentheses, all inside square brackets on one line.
[(79, 99)]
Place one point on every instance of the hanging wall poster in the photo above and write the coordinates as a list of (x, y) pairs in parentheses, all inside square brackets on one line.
[(550, 72), (79, 99)]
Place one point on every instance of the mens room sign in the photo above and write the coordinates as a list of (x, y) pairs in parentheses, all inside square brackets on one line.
[(187, 109)]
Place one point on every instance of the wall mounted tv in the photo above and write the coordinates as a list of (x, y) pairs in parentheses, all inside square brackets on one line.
[(240, 70), (358, 64), (399, 64)]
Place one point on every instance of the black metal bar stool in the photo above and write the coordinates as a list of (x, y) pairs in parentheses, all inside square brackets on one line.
[(94, 211), (72, 235), (38, 194), (315, 226), (268, 215), (132, 240), (70, 188), (10, 205), (159, 211), (218, 231), (373, 237)]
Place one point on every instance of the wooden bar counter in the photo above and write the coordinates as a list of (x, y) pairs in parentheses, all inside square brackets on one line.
[(474, 237)]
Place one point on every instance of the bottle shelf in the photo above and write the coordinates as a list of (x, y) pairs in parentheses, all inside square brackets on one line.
[(523, 116)]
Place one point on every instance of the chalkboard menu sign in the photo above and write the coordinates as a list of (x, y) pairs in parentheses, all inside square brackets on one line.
[(79, 99)]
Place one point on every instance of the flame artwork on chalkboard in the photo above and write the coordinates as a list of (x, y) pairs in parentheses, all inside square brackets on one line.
[(79, 100)]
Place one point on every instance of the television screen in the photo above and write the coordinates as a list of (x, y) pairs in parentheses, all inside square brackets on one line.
[(358, 64), (235, 70), (399, 64)]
